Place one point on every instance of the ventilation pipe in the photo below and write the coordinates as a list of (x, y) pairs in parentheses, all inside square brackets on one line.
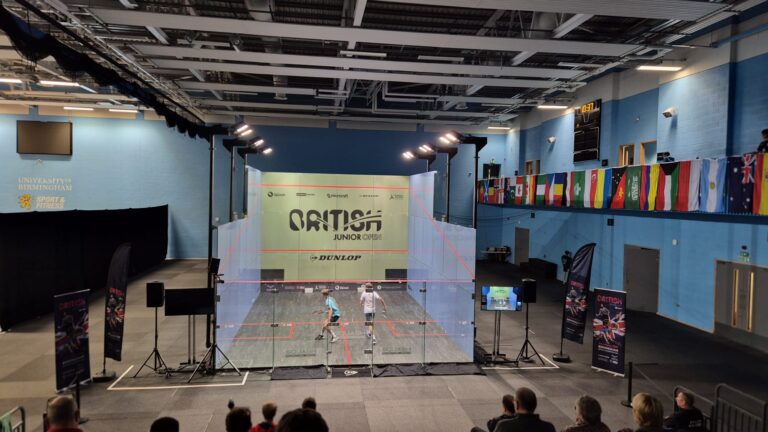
[(260, 10)]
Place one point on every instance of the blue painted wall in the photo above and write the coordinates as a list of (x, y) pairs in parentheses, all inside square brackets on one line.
[(700, 129)]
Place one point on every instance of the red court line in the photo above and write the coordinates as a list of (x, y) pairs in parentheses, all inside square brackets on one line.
[(391, 327), (295, 323), (327, 186), (329, 250), (440, 231), (346, 344)]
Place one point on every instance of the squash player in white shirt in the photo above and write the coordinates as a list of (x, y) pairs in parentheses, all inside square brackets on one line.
[(368, 301)]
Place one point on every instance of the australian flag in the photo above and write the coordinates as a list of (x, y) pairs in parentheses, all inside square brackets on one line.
[(740, 174)]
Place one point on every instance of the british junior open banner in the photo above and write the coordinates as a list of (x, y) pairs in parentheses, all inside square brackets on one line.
[(117, 282), (334, 227), (70, 320), (576, 291), (609, 331)]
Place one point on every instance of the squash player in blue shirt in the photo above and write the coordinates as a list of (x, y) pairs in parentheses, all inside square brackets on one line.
[(333, 316)]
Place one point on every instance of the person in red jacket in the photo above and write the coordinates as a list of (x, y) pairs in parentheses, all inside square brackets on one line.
[(268, 410)]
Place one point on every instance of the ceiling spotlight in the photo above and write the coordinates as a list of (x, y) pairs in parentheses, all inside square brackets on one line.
[(236, 42), (242, 129), (267, 150), (445, 140), (256, 142), (551, 140), (426, 148), (408, 155), (452, 137)]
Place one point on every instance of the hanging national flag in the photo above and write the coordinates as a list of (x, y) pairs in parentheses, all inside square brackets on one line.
[(529, 190), (688, 185), (633, 186), (519, 183), (541, 189), (575, 189), (653, 186), (602, 192), (760, 196), (666, 192), (590, 187), (645, 183), (509, 190), (618, 187), (741, 182), (555, 185), (711, 189), (482, 191)]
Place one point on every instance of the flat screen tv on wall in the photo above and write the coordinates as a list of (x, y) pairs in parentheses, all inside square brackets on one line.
[(48, 138)]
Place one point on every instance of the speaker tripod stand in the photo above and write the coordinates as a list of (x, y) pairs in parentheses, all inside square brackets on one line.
[(525, 351), (157, 365), (207, 364)]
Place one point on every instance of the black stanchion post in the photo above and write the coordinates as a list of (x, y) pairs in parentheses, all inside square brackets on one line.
[(628, 403), (77, 401)]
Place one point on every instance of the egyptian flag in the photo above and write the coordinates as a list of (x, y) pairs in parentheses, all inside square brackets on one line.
[(575, 189), (688, 185), (519, 183), (618, 187), (741, 182), (541, 189), (760, 195), (633, 188), (712, 187), (590, 186), (666, 192)]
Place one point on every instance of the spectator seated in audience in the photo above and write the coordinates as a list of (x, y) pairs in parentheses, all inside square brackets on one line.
[(239, 420), (62, 415), (588, 416), (687, 418), (525, 420), (165, 424), (268, 410), (302, 420), (648, 413), (507, 412), (309, 403)]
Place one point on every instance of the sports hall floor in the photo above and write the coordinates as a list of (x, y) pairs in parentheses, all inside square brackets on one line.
[(667, 354)]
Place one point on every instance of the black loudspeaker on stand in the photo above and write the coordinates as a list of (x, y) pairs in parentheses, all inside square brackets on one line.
[(528, 351), (154, 361)]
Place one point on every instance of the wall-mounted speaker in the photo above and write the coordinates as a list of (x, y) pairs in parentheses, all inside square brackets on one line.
[(529, 291), (155, 294)]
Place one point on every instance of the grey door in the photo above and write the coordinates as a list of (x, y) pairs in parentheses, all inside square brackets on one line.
[(739, 294), (521, 245), (641, 278)]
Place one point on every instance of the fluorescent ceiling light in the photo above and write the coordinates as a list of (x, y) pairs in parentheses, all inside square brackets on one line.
[(58, 83), (579, 65), (362, 53), (440, 58), (267, 150), (499, 127), (10, 80), (242, 128), (72, 108), (659, 68), (121, 110), (552, 107), (88, 89)]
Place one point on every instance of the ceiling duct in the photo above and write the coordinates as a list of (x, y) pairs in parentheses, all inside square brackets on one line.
[(261, 10)]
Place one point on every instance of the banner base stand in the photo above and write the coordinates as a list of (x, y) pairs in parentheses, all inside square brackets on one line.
[(104, 376), (561, 357)]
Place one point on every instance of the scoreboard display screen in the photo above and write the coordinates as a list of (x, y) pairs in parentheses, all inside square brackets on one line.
[(586, 132)]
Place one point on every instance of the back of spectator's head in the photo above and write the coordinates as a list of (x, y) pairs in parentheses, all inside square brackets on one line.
[(62, 413), (647, 411), (165, 424), (302, 420), (268, 410), (525, 399), (309, 403), (765, 133), (239, 420), (508, 402), (588, 410), (685, 400)]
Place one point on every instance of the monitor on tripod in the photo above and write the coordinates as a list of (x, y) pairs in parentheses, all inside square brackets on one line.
[(494, 298)]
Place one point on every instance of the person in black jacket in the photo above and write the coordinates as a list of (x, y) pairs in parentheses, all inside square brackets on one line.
[(763, 147), (508, 412), (525, 420), (687, 418)]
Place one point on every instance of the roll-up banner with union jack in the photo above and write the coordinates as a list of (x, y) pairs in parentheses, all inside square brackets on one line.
[(609, 331)]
